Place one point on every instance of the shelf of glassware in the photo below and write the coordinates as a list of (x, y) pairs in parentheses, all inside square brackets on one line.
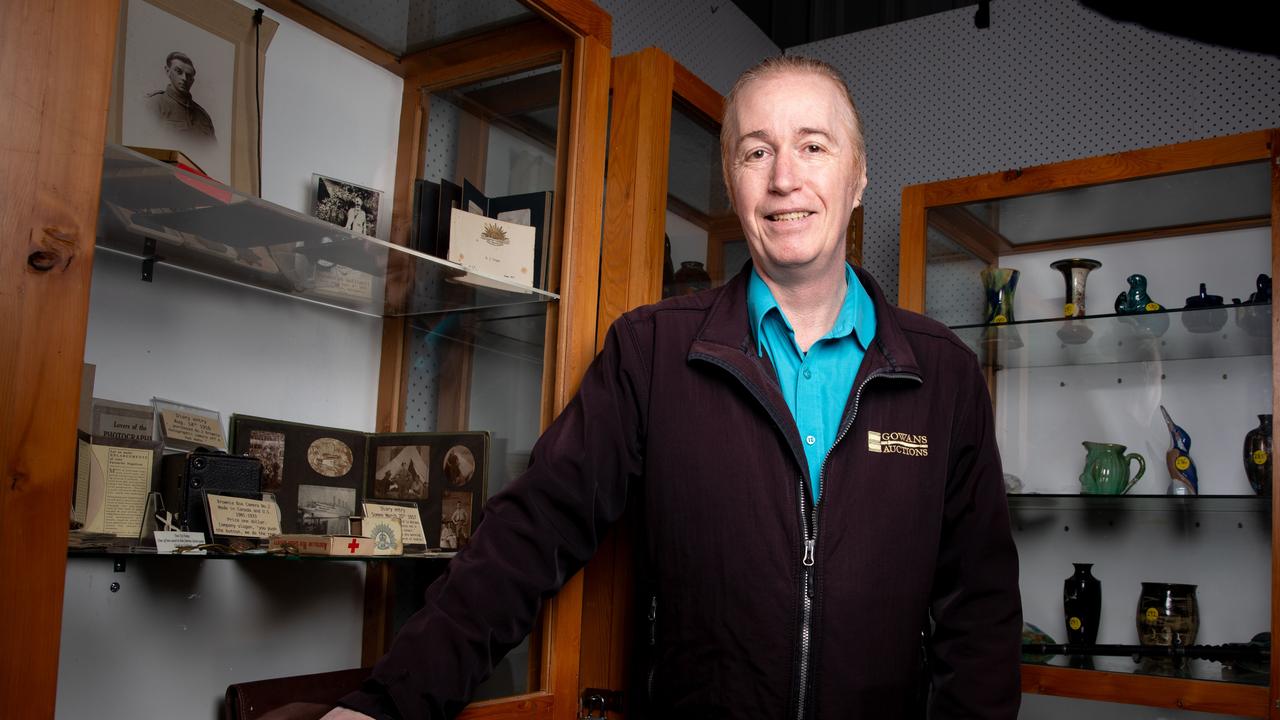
[(1183, 334), (162, 215), (1204, 686)]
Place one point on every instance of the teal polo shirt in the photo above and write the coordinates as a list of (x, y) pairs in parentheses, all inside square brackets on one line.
[(816, 384)]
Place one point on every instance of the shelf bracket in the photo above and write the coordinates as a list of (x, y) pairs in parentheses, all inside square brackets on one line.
[(148, 259)]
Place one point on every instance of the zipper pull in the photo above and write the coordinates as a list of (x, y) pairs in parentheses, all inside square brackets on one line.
[(653, 619), (808, 553)]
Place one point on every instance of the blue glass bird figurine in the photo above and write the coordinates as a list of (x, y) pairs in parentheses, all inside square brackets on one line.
[(1182, 469)]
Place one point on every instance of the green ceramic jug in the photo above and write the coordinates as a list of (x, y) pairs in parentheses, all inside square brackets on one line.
[(1106, 469)]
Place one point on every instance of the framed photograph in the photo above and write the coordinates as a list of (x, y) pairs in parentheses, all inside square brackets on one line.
[(186, 78), (347, 205), (316, 473), (443, 474)]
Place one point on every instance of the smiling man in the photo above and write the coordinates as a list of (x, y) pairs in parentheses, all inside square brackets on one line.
[(822, 521)]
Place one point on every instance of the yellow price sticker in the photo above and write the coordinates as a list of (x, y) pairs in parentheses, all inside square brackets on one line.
[(1152, 307), (1074, 623), (1152, 615), (1069, 310), (1260, 457), (1182, 463), (999, 319)]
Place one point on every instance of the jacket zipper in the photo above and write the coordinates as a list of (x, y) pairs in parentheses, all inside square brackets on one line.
[(808, 516), (809, 525), (653, 644)]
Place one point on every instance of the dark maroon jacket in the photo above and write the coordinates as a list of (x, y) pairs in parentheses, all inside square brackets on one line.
[(681, 419)]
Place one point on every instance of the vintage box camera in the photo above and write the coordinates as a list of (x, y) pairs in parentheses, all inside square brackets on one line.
[(186, 477)]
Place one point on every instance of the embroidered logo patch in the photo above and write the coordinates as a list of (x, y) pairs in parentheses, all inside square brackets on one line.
[(898, 443)]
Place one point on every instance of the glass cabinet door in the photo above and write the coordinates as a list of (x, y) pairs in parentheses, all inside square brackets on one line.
[(703, 244), (506, 100), (1121, 309)]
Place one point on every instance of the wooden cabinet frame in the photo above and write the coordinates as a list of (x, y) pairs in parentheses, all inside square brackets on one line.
[(945, 199), (55, 78)]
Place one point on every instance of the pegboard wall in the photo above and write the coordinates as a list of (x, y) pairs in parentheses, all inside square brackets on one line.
[(713, 39), (1050, 80)]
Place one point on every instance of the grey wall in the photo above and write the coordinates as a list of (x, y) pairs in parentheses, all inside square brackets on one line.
[(713, 39), (1048, 81)]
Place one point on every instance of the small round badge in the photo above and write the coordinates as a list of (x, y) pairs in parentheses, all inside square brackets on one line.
[(1182, 463)]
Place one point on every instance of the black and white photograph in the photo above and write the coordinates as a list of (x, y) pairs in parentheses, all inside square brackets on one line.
[(347, 205), (455, 520), (177, 88), (323, 510), (268, 446), (401, 472), (296, 456), (443, 474), (459, 465)]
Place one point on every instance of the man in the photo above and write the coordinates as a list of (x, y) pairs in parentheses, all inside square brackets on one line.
[(823, 529), (174, 105)]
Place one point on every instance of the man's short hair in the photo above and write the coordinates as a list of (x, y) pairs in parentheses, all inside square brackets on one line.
[(175, 55), (775, 65)]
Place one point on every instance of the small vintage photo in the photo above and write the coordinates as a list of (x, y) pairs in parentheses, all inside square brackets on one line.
[(346, 205), (401, 472), (324, 510), (455, 516), (268, 447), (459, 465), (330, 457)]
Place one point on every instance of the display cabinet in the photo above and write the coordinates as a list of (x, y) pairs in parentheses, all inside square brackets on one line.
[(1062, 375), (509, 97)]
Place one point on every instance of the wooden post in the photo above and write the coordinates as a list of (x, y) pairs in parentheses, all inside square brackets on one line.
[(55, 78)]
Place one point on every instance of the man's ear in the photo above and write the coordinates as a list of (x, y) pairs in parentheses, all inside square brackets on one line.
[(860, 188)]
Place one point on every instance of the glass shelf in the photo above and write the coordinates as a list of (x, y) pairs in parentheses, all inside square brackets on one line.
[(151, 210), (127, 552), (1204, 670), (1141, 503), (1185, 334)]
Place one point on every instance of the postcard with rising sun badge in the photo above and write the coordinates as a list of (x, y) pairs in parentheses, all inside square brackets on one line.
[(491, 247)]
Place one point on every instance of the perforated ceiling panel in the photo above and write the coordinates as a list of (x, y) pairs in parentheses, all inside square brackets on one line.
[(1048, 81), (711, 38)]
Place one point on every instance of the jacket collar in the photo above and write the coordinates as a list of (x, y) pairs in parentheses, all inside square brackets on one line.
[(728, 327)]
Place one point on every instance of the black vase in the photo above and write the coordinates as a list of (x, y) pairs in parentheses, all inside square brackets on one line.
[(1082, 605), (690, 278), (1257, 456)]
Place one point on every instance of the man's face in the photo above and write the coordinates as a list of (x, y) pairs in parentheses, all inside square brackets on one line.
[(792, 172), (181, 75)]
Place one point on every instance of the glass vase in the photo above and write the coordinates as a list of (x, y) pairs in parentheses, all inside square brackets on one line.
[(1257, 456), (1082, 605), (1074, 272), (1000, 285)]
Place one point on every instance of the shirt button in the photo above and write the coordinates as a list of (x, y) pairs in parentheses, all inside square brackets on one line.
[(807, 374), (811, 439)]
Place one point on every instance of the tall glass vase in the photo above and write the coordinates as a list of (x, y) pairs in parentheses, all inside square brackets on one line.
[(1000, 284), (1082, 605), (1074, 272), (1257, 456)]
